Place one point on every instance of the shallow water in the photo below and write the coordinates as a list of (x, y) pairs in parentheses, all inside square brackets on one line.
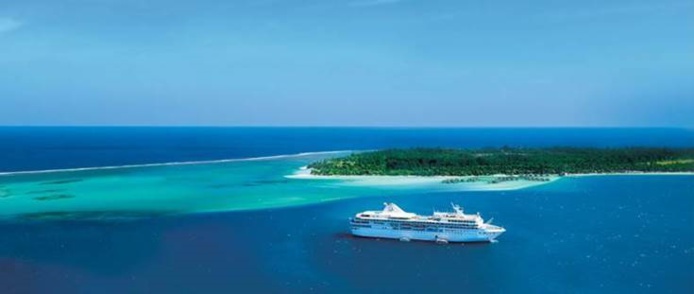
[(141, 191)]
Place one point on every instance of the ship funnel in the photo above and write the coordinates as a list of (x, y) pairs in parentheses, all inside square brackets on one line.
[(391, 207), (457, 208)]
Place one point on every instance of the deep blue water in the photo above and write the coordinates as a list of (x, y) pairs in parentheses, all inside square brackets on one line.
[(630, 234), (41, 148)]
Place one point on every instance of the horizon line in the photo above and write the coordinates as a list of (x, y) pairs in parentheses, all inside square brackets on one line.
[(354, 126)]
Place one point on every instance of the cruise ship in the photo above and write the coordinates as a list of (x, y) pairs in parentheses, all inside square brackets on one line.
[(442, 227)]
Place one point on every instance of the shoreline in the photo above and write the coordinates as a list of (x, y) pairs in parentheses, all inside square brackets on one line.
[(305, 172), (486, 182), (631, 174)]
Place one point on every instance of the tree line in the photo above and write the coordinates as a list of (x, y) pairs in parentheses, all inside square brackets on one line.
[(509, 161)]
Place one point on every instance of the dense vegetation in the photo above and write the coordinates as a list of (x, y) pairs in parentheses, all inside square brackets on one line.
[(509, 161)]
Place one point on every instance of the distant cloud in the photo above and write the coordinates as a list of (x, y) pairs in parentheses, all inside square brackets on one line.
[(9, 24), (373, 2)]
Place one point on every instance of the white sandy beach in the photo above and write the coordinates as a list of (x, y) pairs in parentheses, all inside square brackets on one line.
[(435, 182)]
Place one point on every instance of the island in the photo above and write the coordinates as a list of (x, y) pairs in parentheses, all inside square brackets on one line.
[(507, 163)]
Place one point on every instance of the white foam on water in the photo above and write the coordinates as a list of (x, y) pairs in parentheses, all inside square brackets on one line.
[(127, 166)]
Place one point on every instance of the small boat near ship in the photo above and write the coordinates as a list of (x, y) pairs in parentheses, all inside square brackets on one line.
[(442, 227)]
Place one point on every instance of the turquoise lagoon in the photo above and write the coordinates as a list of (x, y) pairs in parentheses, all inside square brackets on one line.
[(165, 188)]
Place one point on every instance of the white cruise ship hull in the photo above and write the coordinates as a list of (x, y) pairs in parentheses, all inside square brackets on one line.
[(473, 235), (441, 227)]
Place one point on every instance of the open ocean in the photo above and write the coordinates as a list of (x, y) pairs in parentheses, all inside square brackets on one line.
[(269, 234)]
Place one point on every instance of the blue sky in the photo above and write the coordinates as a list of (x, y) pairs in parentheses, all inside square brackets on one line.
[(347, 62)]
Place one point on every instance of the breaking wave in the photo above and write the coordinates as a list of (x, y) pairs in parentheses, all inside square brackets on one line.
[(126, 166)]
